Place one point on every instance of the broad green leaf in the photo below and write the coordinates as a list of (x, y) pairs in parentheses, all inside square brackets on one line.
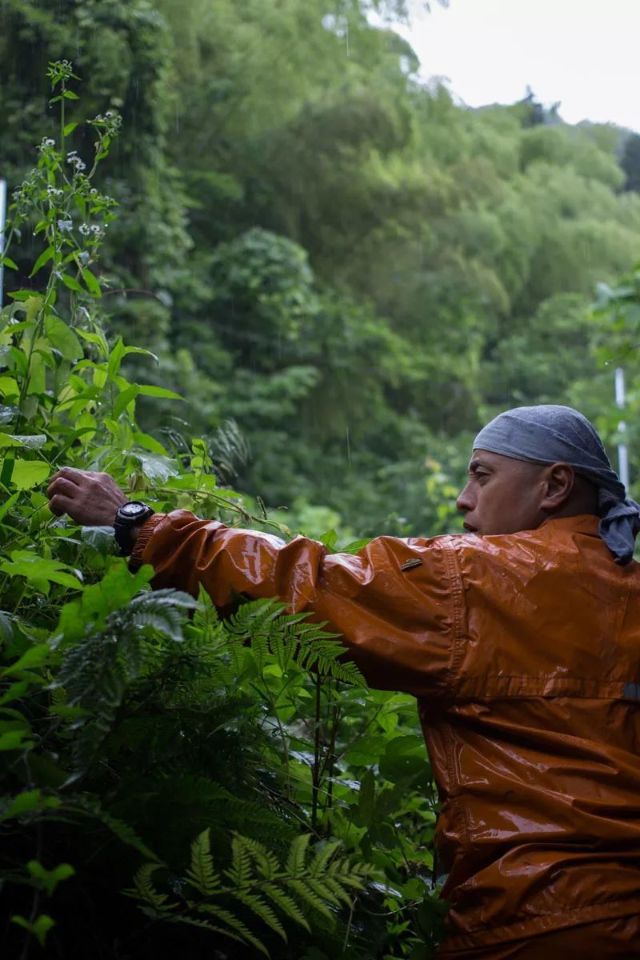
[(34, 657), (155, 467), (69, 127), (6, 261), (29, 473), (39, 570), (9, 387), (63, 338)]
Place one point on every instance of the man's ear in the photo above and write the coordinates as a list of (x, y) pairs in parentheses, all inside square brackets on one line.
[(560, 479)]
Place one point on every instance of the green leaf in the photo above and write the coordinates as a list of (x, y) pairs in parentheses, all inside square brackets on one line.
[(39, 928), (44, 257), (155, 467), (13, 739), (29, 801), (8, 262), (91, 282), (34, 657), (149, 390), (69, 127), (7, 440), (404, 758), (71, 283), (28, 474), (31, 441), (364, 813), (7, 471), (40, 571), (50, 879), (124, 399), (63, 338)]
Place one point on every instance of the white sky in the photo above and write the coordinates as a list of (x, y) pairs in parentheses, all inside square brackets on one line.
[(585, 53)]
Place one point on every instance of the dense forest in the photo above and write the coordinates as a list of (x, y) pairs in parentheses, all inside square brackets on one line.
[(256, 267)]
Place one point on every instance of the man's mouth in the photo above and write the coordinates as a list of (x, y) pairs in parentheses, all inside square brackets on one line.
[(469, 528)]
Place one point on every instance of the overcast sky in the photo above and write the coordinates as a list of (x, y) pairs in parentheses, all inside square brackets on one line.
[(581, 52)]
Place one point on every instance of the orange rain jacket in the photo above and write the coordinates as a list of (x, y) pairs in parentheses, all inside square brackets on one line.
[(524, 653)]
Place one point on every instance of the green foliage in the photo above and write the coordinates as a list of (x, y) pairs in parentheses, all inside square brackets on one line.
[(131, 718), (255, 880), (334, 273)]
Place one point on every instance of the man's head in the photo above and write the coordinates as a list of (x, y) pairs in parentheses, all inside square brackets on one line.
[(533, 463), (505, 495)]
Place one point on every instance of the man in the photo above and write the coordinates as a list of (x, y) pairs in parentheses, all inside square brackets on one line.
[(521, 641)]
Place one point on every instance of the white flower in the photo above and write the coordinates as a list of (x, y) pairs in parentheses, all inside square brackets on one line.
[(85, 230)]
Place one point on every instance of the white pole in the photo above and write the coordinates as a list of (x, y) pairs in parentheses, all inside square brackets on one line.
[(623, 454), (3, 218)]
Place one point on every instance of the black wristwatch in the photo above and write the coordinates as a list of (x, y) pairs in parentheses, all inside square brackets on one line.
[(129, 515)]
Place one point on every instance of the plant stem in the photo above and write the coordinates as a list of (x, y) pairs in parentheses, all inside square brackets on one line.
[(315, 770)]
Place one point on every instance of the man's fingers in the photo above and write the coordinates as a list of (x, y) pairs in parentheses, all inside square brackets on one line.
[(67, 473), (61, 485), (60, 504)]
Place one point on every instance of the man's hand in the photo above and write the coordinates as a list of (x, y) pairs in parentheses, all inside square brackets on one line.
[(89, 498)]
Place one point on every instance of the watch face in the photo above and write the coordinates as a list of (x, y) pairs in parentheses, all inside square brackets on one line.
[(133, 509)]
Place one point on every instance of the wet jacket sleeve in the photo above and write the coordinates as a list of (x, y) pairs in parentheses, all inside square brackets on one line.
[(395, 603)]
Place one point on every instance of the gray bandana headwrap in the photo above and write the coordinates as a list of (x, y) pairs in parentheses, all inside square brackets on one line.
[(551, 434)]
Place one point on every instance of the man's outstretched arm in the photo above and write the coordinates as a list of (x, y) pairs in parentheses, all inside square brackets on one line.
[(395, 603)]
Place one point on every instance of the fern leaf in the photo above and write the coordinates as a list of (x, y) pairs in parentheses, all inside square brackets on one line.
[(261, 909), (286, 903), (265, 860), (143, 888), (324, 891), (240, 870), (306, 893), (90, 806), (205, 925), (297, 854), (234, 923), (319, 863), (201, 873)]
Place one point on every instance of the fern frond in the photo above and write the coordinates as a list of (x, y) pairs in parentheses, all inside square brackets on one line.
[(90, 806), (305, 893), (234, 923), (205, 925), (240, 871), (261, 909), (143, 889), (297, 854), (201, 873), (265, 860), (319, 863), (286, 903)]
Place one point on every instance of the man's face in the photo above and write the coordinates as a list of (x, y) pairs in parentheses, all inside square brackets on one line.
[(502, 495)]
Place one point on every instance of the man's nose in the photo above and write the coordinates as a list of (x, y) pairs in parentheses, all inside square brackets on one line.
[(464, 503)]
